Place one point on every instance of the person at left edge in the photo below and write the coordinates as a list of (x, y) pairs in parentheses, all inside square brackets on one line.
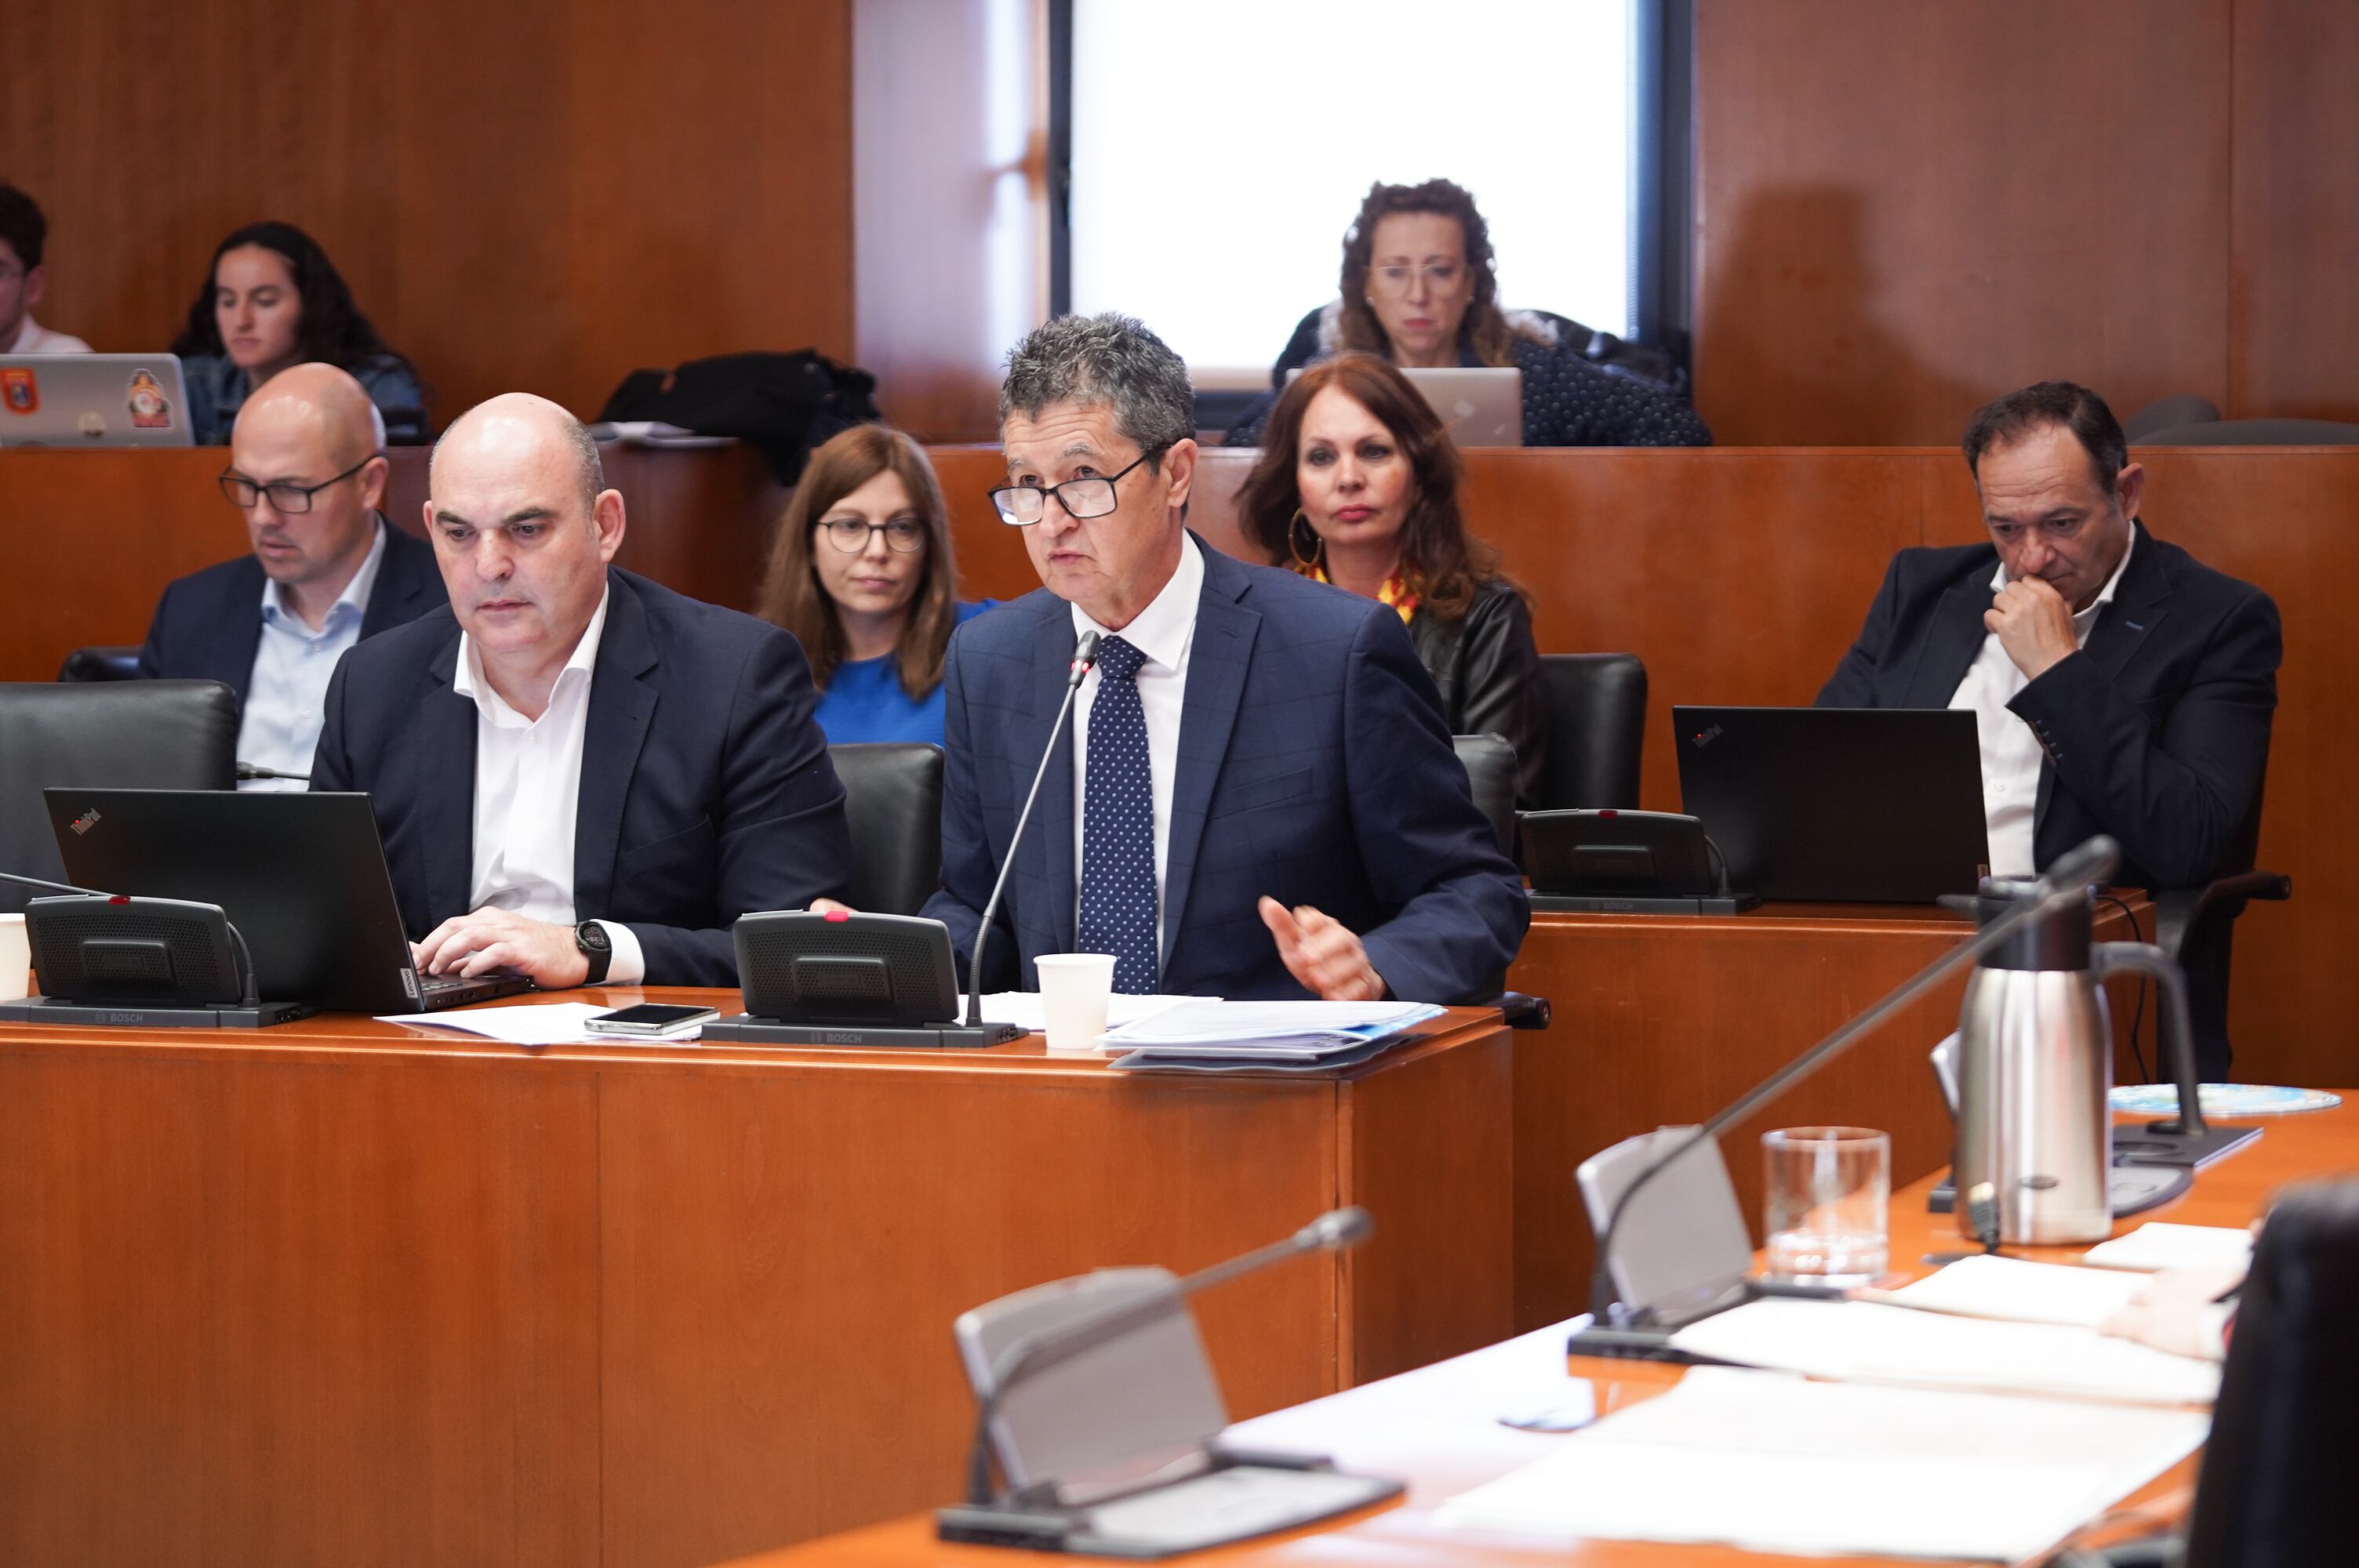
[(1255, 795), (579, 775), (324, 568)]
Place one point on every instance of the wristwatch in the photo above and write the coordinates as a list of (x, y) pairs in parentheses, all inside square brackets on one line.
[(591, 937)]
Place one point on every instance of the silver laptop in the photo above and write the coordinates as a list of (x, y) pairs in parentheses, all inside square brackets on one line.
[(92, 400), (1481, 407)]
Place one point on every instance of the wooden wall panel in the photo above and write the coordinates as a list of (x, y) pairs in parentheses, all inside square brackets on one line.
[(2293, 314), (537, 196), (1904, 211)]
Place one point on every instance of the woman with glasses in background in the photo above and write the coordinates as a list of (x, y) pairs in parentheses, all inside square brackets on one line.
[(863, 574), (1421, 289)]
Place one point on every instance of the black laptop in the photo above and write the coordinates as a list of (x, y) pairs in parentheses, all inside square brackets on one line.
[(301, 876), (1850, 804)]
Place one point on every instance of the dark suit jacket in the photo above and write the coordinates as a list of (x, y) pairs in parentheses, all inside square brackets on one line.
[(706, 789), (1313, 767), (208, 624), (2157, 732)]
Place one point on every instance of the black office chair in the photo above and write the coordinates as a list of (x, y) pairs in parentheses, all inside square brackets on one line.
[(151, 734), (893, 797), (117, 662), (1597, 730), (1490, 764), (2275, 1488), (2196, 926), (2168, 414), (2255, 433)]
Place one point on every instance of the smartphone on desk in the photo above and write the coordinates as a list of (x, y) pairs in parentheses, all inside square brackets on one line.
[(650, 1020)]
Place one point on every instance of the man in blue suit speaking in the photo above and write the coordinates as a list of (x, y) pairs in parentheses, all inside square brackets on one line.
[(1257, 797)]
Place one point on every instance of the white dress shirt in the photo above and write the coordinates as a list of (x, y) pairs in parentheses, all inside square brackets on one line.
[(287, 693), (32, 338), (1163, 631), (2011, 753), (528, 797)]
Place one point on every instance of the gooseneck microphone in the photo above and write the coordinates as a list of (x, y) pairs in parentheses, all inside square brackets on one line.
[(2068, 877), (1033, 1353), (1085, 654), (246, 771)]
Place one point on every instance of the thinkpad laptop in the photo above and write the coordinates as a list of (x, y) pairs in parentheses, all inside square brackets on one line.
[(301, 876), (1875, 806), (92, 400)]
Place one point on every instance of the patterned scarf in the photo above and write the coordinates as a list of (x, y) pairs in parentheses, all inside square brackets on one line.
[(1395, 590)]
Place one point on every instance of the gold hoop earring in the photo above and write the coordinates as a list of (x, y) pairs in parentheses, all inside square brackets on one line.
[(1293, 541)]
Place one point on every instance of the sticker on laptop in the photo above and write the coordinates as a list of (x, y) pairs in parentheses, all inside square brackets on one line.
[(20, 389), (150, 410)]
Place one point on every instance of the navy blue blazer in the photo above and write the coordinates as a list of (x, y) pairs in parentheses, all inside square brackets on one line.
[(1313, 767), (2156, 731), (706, 789), (208, 625)]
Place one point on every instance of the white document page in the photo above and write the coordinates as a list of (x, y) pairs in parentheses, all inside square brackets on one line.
[(1244, 1025), (542, 1023), (1863, 1341), (1023, 1009), (1775, 1463), (2156, 1246), (2023, 1292)]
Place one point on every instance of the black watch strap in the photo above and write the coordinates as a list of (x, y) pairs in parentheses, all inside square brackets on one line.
[(591, 937)]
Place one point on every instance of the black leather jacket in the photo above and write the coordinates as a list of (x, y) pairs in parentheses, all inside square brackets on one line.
[(1487, 669)]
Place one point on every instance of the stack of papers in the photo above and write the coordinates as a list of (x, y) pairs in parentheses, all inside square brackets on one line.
[(1287, 1036), (1774, 1463), (1864, 1342), (2022, 1291), (533, 1023), (1023, 1009), (2156, 1246)]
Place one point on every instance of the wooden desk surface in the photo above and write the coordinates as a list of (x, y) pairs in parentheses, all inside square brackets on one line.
[(1661, 1019), (1404, 1535), (354, 1292)]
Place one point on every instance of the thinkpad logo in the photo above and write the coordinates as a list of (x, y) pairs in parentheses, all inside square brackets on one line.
[(85, 822), (1704, 737)]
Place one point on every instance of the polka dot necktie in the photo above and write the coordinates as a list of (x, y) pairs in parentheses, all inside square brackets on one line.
[(1118, 825)]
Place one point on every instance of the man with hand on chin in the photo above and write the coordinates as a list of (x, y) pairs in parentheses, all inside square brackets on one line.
[(579, 775), (1255, 795), (2119, 685)]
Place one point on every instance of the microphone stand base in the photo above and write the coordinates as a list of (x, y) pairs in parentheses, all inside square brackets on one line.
[(745, 1029), (152, 1015), (1240, 1496)]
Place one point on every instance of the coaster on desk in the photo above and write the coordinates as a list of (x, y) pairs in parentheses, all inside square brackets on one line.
[(2222, 1099)]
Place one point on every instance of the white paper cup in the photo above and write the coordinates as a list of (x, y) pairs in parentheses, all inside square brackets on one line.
[(16, 958), (1073, 991)]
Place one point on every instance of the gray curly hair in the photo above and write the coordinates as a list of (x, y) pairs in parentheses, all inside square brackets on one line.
[(1109, 359)]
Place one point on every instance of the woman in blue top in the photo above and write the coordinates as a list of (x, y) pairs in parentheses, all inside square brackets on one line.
[(272, 300), (861, 574)]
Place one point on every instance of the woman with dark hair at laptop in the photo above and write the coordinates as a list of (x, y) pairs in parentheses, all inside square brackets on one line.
[(1357, 486), (270, 300), (1420, 287)]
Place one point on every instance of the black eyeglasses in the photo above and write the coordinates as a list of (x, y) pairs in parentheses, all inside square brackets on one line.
[(903, 536), (1021, 505), (289, 500)]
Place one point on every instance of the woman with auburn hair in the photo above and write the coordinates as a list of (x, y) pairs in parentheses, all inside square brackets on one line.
[(1421, 289), (863, 574), (1357, 486)]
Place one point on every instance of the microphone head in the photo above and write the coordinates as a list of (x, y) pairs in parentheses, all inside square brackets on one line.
[(1338, 1229), (1086, 652)]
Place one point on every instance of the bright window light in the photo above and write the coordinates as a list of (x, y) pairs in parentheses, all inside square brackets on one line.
[(1220, 150)]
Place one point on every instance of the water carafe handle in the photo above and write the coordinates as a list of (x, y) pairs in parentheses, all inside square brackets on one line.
[(2177, 1034)]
